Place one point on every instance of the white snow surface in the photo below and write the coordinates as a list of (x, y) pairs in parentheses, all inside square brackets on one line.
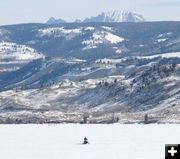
[(161, 40), (60, 32), (100, 37), (19, 52), (107, 28), (90, 28), (165, 55), (4, 33), (164, 35), (106, 141), (12, 53), (114, 39), (116, 16)]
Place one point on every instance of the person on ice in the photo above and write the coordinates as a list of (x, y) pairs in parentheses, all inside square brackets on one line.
[(86, 141)]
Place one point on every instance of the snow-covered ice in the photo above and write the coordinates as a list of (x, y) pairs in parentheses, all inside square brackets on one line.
[(106, 141)]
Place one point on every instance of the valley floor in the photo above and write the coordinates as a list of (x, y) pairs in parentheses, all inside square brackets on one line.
[(63, 141)]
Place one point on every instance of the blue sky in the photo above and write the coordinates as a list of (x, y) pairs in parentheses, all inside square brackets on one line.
[(23, 11)]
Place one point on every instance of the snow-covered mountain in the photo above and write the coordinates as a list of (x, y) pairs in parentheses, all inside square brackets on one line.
[(128, 69), (116, 16), (52, 20), (111, 16)]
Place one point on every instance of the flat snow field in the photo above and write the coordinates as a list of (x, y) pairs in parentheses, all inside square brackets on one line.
[(106, 141)]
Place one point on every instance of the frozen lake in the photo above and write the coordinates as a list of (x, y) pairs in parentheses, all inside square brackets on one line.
[(106, 141)]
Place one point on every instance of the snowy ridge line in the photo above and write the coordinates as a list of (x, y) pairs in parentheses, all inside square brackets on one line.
[(116, 16), (165, 55), (60, 32)]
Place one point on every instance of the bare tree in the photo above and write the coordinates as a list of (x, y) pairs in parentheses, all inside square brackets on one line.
[(146, 119)]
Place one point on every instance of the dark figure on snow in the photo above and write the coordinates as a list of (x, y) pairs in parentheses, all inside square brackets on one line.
[(85, 141)]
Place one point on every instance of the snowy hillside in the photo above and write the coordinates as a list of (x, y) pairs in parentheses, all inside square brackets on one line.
[(100, 38), (96, 40), (166, 55), (58, 32), (59, 73), (4, 34), (13, 56), (18, 52), (58, 88)]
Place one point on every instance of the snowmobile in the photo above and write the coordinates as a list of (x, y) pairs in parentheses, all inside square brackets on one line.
[(85, 141)]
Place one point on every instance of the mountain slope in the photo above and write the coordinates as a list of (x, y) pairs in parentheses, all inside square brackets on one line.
[(131, 69), (14, 56), (96, 40), (108, 85)]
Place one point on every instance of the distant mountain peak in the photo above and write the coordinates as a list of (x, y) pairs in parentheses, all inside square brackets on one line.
[(110, 16), (116, 16), (52, 20)]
